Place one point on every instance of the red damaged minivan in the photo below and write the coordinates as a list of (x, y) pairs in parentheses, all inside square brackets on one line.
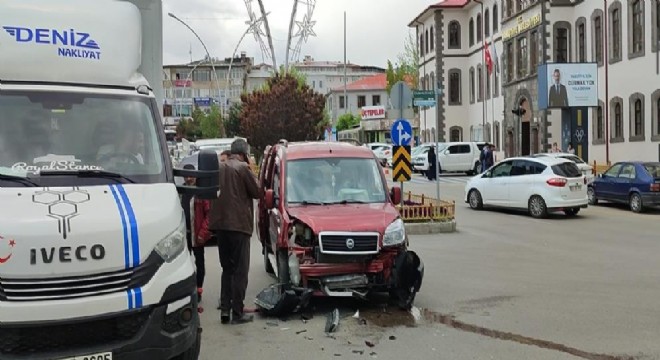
[(328, 223)]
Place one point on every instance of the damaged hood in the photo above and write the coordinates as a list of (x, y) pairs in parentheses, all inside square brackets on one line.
[(348, 217)]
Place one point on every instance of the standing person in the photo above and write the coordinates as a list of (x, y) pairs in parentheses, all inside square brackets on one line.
[(570, 149), (433, 163), (224, 155), (232, 221), (555, 148), (489, 158), (482, 157), (197, 230)]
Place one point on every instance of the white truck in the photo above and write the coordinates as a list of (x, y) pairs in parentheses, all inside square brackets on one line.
[(93, 255)]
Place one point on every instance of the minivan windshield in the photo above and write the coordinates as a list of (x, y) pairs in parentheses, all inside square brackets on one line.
[(333, 181), (44, 132)]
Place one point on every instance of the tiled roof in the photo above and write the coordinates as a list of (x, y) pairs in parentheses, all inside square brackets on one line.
[(444, 4), (375, 82)]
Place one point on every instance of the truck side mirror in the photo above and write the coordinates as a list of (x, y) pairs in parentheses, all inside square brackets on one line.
[(269, 199), (207, 185), (395, 195)]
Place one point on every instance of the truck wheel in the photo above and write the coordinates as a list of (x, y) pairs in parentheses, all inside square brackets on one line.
[(283, 276), (193, 352)]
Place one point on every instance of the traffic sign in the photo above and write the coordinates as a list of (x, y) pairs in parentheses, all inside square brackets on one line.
[(401, 132), (401, 164), (424, 98)]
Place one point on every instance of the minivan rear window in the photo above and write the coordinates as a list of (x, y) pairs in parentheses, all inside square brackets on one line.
[(568, 169)]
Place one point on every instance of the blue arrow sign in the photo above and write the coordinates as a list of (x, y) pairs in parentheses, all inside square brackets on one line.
[(401, 132)]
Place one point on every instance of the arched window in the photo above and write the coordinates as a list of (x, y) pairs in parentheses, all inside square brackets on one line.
[(618, 121), (639, 121), (471, 30), (487, 23), (454, 35), (495, 19), (432, 38), (479, 28)]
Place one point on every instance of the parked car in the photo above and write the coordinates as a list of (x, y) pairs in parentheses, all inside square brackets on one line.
[(634, 183), (459, 157), (539, 185), (382, 151), (328, 223), (586, 169)]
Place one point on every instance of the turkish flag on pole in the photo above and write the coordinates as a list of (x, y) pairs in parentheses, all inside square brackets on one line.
[(489, 60)]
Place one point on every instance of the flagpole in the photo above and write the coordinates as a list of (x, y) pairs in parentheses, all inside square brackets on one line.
[(483, 72)]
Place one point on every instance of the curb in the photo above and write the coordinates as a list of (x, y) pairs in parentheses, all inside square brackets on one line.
[(431, 228)]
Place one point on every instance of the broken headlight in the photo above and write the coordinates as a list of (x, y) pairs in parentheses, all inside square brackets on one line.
[(395, 233), (173, 244)]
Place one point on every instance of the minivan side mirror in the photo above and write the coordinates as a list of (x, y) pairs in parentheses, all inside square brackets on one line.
[(395, 195), (207, 186), (269, 199)]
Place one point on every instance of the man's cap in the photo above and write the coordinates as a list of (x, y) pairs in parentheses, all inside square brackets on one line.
[(239, 146), (189, 167)]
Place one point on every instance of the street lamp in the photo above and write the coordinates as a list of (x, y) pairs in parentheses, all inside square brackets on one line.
[(252, 27), (205, 49)]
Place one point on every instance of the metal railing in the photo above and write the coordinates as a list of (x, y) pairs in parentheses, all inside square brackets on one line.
[(422, 208)]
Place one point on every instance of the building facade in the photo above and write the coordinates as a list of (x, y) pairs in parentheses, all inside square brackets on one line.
[(620, 36), (368, 98), (451, 36), (194, 85)]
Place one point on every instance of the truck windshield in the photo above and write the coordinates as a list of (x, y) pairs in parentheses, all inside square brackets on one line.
[(46, 131), (334, 180)]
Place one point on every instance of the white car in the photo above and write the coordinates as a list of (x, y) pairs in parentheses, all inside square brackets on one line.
[(586, 169), (538, 184)]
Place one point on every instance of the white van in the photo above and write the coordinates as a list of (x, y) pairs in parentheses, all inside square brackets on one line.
[(462, 157), (93, 259)]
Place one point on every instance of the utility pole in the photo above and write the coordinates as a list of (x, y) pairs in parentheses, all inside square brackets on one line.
[(345, 78)]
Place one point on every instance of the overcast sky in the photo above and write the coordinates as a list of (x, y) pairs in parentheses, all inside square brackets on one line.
[(376, 28)]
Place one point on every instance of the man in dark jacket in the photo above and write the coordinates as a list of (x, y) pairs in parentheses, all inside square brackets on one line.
[(232, 220)]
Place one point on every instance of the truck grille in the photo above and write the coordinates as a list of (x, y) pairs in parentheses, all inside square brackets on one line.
[(43, 289), (348, 243), (43, 338)]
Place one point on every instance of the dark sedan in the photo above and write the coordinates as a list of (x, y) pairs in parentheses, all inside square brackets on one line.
[(634, 183)]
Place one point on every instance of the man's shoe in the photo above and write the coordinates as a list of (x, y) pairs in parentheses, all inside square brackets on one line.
[(224, 317), (241, 319)]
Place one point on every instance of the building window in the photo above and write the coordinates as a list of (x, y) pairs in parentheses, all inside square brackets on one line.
[(636, 28), (454, 87), (617, 119), (522, 57), (637, 117), (321, 84), (533, 51), (561, 48), (509, 61), (471, 31), (426, 42), (495, 20), (487, 74), (421, 44), (472, 85), (581, 41), (362, 101), (487, 23), (496, 83), (597, 50), (615, 24), (432, 38), (455, 134), (656, 27), (479, 28), (480, 83), (454, 35), (599, 124), (342, 104), (375, 100), (508, 7), (496, 131), (432, 83)]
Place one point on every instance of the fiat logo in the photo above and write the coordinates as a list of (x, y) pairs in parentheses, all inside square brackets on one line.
[(350, 243)]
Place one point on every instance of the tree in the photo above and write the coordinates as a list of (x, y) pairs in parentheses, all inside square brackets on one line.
[(284, 109), (211, 124), (347, 121), (406, 67), (233, 120)]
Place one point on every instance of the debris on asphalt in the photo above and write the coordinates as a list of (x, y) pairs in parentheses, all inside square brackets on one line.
[(392, 337), (272, 323), (361, 352), (332, 321), (279, 300), (357, 314), (369, 343), (301, 331)]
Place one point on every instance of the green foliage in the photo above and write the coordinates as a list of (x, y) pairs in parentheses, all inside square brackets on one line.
[(211, 124), (233, 121), (286, 108), (347, 121), (406, 67)]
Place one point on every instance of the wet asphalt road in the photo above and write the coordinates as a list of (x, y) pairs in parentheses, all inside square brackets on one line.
[(504, 286)]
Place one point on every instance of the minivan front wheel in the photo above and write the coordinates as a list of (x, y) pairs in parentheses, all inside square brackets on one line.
[(537, 207)]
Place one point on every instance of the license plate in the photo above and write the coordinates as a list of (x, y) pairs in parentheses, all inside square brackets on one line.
[(98, 356), (575, 187)]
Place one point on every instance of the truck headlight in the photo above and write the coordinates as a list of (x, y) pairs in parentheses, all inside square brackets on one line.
[(395, 233), (173, 244)]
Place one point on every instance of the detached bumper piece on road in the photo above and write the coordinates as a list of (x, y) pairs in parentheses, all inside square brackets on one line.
[(149, 333)]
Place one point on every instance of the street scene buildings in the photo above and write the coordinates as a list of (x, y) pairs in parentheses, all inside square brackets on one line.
[(455, 39)]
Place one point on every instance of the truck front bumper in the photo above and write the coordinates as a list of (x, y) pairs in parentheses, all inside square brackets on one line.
[(161, 331)]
